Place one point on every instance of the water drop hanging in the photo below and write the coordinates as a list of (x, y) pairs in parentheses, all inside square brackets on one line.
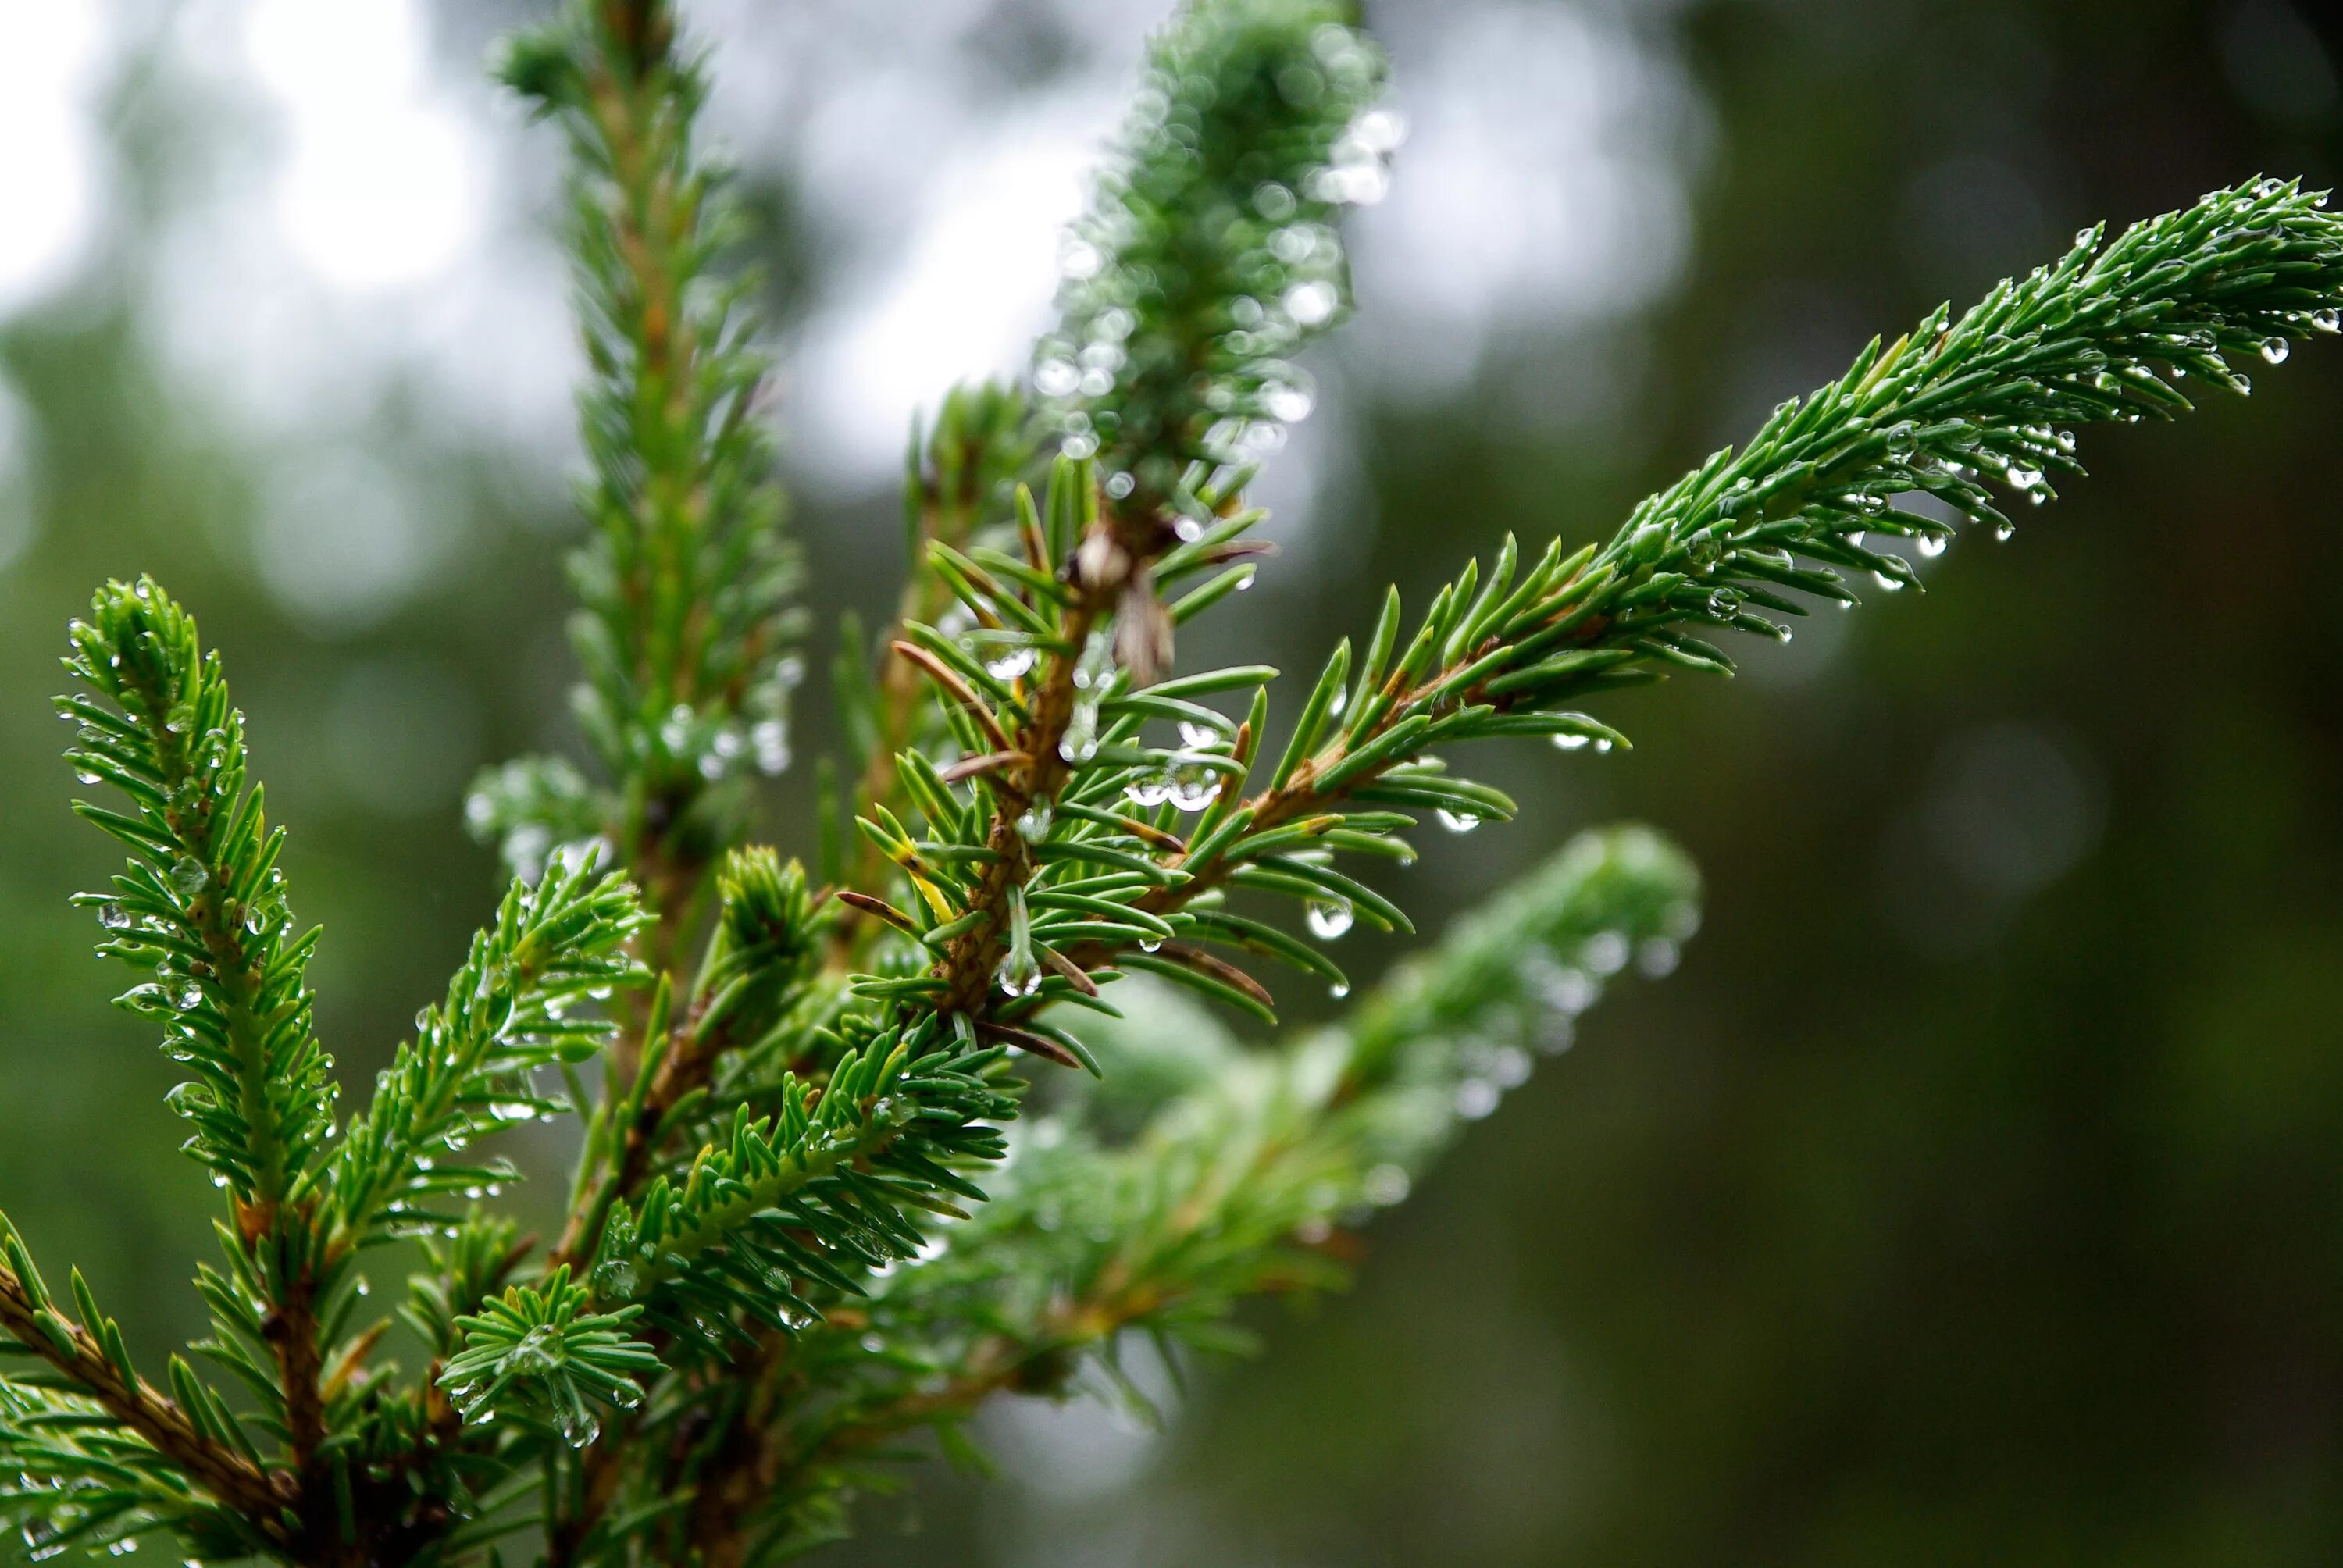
[(1329, 917)]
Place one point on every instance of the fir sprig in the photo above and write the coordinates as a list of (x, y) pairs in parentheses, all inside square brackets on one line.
[(537, 1349), (812, 1197), (526, 999), (686, 631), (1245, 1165), (1211, 253), (98, 1455), (2104, 334), (202, 906), (758, 962)]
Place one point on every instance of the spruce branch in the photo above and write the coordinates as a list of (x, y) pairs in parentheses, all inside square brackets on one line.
[(828, 1188), (201, 906), (524, 1000), (957, 479), (2104, 334), (101, 1455), (537, 1349), (1210, 255), (1246, 1164), (686, 584), (1231, 174), (757, 964), (800, 1228)]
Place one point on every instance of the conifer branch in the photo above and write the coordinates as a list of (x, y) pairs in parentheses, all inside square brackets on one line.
[(757, 966), (686, 624), (956, 480), (202, 905), (1236, 1184), (797, 1232), (2102, 335), (1207, 257), (101, 1419), (513, 1008)]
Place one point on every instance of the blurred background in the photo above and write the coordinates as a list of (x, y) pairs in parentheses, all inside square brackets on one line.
[(1972, 1192)]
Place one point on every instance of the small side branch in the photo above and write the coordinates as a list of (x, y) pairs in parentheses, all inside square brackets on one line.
[(261, 1496)]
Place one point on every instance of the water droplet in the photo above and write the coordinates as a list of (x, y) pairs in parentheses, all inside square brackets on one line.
[(1339, 990), (85, 774), (2023, 478), (1312, 304), (189, 876), (2328, 319), (2275, 349), (1010, 663), (2003, 530), (1079, 742), (1566, 742), (1658, 957), (1149, 791), (1385, 1185), (1457, 821), (1605, 953), (1033, 825), (579, 1425), (770, 738), (190, 997), (1015, 980), (1284, 400), (1118, 485), (1931, 545), (1058, 378), (1476, 1098), (1329, 918), (1195, 786), (1891, 583), (114, 918)]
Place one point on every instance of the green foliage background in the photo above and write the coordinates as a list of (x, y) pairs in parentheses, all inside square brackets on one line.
[(1910, 1221)]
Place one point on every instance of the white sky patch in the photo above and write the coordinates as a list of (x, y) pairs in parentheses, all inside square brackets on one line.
[(49, 185), (18, 514), (342, 540), (379, 188), (376, 215), (1542, 186), (970, 292)]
